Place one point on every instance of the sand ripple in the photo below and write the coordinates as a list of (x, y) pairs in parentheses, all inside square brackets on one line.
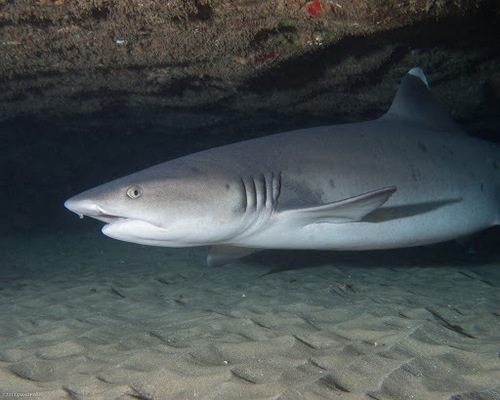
[(94, 319)]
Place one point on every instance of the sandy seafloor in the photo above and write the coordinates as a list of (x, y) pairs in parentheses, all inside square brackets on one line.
[(86, 317)]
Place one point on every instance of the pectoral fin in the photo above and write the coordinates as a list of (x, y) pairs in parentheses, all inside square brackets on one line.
[(352, 209), (220, 255)]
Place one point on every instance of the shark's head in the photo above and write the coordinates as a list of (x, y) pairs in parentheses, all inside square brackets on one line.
[(164, 206)]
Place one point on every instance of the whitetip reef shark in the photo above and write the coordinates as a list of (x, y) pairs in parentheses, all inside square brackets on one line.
[(409, 178)]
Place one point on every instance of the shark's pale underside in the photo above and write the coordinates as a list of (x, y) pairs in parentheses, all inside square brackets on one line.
[(409, 178)]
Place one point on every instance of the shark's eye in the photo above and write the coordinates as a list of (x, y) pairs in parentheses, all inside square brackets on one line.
[(134, 192)]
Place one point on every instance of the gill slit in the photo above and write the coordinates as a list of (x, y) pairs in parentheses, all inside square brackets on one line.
[(261, 192)]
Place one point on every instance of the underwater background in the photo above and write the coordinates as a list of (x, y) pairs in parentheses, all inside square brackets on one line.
[(94, 91)]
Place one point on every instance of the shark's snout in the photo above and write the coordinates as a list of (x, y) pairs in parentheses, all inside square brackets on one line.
[(86, 207), (81, 207)]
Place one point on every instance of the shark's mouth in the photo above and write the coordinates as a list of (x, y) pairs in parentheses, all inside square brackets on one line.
[(102, 215), (108, 218), (117, 220), (133, 230), (117, 226)]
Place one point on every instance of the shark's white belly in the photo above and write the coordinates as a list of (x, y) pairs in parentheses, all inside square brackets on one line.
[(450, 222)]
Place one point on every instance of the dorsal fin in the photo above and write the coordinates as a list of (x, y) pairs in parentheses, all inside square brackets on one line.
[(414, 102)]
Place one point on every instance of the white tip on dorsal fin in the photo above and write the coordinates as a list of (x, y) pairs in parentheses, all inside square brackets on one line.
[(419, 73), (414, 102)]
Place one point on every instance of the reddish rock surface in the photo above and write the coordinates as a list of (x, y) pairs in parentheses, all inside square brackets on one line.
[(74, 57)]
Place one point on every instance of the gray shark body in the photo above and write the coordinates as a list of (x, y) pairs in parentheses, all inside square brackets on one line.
[(409, 178)]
